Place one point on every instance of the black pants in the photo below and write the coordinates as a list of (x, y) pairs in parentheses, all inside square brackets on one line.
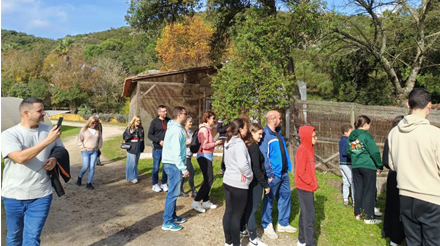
[(364, 181), (253, 201), (421, 221), (392, 224), (190, 168), (306, 221), (235, 200), (208, 179)]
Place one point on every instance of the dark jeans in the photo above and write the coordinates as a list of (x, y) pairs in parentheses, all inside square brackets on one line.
[(157, 157), (253, 201), (190, 168), (208, 179), (364, 181), (235, 200), (421, 221), (306, 222)]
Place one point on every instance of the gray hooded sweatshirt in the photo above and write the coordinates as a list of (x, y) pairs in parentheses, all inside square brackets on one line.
[(415, 155), (238, 163)]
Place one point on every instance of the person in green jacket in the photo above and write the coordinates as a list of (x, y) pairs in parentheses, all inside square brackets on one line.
[(365, 160)]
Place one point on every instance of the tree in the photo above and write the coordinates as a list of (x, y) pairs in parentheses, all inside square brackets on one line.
[(185, 44), (256, 77), (400, 50), (109, 84)]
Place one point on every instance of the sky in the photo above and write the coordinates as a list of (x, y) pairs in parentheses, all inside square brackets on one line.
[(57, 18)]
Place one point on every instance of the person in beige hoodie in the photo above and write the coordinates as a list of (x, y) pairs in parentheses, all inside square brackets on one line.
[(89, 141), (414, 153)]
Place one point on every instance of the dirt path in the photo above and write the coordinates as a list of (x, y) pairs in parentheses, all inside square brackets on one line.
[(118, 212)]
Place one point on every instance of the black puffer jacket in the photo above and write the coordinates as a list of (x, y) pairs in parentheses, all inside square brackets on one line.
[(135, 139)]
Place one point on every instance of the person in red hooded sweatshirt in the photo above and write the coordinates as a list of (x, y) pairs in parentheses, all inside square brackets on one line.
[(306, 184)]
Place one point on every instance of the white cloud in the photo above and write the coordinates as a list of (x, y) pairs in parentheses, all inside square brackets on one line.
[(36, 14)]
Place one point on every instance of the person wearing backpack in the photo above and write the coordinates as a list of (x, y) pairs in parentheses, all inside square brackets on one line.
[(205, 157)]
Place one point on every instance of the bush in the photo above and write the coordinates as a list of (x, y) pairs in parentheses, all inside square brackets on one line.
[(122, 118)]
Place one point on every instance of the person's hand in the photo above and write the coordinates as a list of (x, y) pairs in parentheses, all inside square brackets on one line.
[(50, 163), (54, 134), (267, 190), (270, 179), (219, 142), (185, 174), (243, 178), (379, 171), (131, 131), (161, 143)]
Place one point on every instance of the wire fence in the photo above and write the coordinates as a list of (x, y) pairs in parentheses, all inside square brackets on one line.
[(327, 118)]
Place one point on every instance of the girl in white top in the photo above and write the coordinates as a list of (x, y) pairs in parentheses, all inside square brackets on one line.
[(89, 141)]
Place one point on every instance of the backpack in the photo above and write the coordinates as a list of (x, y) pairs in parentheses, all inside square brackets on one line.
[(195, 143)]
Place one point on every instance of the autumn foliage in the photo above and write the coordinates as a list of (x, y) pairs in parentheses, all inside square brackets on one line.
[(186, 44)]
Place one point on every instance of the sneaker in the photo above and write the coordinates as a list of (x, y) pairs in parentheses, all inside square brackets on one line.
[(135, 181), (183, 194), (194, 194), (98, 163), (156, 188), (164, 187), (78, 182), (393, 243), (208, 205), (90, 186), (270, 233), (256, 241), (377, 212), (346, 203), (227, 244), (244, 233), (358, 217), (198, 207), (372, 222), (288, 228), (179, 220), (171, 226), (300, 244)]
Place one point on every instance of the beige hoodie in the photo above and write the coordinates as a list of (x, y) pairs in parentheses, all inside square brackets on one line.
[(415, 156)]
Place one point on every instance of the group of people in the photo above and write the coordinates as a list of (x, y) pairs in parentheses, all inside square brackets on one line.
[(411, 152), (256, 164)]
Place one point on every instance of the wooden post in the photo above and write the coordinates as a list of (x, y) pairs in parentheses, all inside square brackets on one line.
[(138, 98)]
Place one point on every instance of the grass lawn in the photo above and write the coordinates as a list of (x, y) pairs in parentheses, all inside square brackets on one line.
[(334, 224)]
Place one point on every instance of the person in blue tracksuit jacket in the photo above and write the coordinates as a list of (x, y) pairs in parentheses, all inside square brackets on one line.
[(278, 166)]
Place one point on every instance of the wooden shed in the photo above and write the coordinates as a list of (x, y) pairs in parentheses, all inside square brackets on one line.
[(190, 88)]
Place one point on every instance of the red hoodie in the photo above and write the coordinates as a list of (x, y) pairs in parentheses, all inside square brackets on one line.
[(305, 175)]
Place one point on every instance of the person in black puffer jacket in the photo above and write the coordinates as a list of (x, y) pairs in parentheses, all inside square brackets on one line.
[(134, 135)]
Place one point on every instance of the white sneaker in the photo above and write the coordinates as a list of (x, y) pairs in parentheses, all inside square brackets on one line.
[(300, 244), (164, 187), (377, 212), (393, 243), (358, 217), (208, 205), (227, 244), (372, 222), (270, 233), (288, 228), (156, 188), (135, 181), (198, 207), (255, 242), (244, 233)]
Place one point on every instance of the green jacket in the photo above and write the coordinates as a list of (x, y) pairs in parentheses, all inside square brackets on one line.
[(363, 150)]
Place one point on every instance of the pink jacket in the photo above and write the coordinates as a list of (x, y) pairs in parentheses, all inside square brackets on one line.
[(207, 143)]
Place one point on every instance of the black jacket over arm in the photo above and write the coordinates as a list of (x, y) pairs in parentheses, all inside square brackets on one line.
[(61, 168), (257, 160)]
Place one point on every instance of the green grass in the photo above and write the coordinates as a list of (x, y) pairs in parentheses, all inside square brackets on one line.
[(334, 224), (69, 131)]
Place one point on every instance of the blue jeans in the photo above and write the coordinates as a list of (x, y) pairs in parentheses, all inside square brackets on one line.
[(25, 219), (347, 182), (174, 181), (157, 157), (131, 170), (279, 189), (89, 159)]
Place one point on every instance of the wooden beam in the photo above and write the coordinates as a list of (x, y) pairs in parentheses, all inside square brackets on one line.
[(151, 88), (166, 83)]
